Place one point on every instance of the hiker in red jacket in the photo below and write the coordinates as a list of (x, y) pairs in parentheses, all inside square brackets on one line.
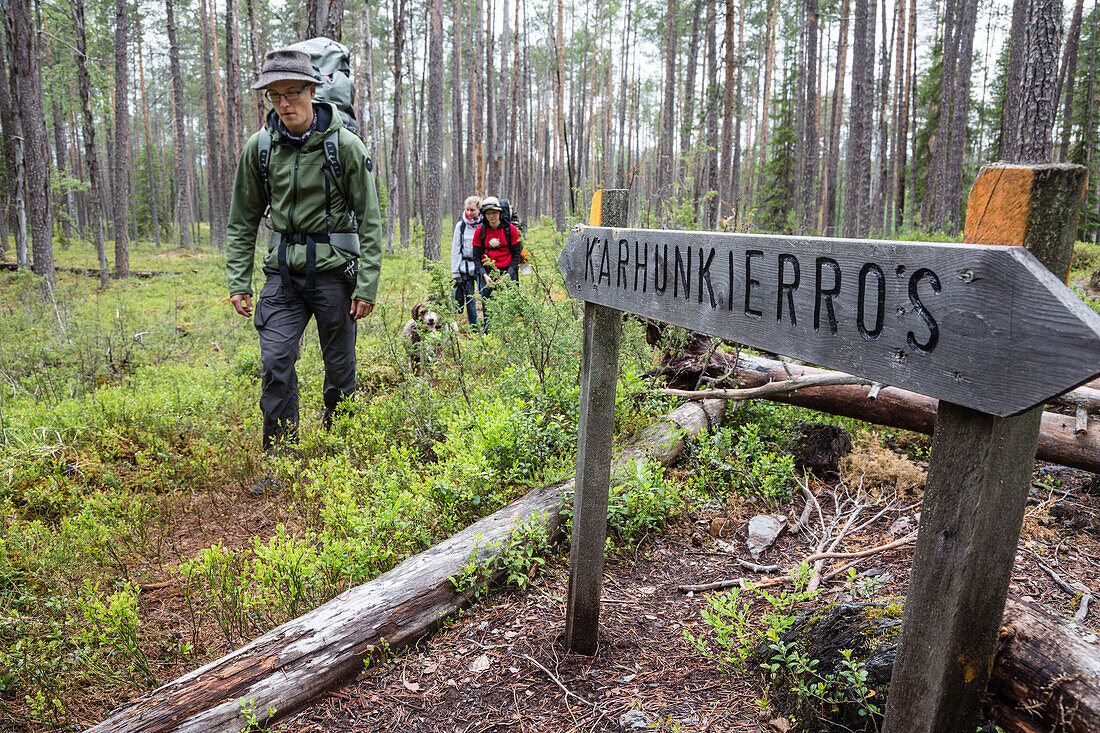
[(497, 247)]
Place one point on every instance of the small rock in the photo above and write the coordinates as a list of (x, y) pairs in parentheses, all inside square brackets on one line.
[(634, 720), (780, 725), (480, 664), (764, 530), (900, 527)]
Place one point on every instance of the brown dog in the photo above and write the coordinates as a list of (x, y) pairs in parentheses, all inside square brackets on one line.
[(415, 331)]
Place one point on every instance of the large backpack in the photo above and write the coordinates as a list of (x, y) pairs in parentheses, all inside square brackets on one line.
[(333, 62)]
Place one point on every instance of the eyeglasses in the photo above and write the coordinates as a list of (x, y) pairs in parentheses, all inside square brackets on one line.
[(274, 97)]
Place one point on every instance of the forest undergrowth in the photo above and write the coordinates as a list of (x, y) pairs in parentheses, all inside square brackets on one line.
[(129, 446)]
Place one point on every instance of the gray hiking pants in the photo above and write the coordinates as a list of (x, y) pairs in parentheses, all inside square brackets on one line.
[(281, 316)]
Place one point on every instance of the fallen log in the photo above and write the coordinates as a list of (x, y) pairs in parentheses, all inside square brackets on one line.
[(1046, 671), (1045, 676), (92, 271), (292, 663), (1059, 441)]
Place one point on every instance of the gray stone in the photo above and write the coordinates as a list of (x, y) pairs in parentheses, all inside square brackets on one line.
[(634, 720), (764, 530)]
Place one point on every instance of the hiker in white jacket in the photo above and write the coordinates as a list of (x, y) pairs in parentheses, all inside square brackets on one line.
[(464, 270)]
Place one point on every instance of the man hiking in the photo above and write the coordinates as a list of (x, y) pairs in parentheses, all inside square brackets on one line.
[(313, 179)]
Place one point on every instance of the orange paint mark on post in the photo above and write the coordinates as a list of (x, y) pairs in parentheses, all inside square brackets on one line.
[(595, 216), (998, 210)]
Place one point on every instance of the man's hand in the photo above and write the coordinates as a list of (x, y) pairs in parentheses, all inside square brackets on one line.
[(242, 302), (360, 309)]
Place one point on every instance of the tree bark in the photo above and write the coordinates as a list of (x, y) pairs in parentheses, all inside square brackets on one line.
[(181, 187), (951, 196), (857, 197), (313, 18), (832, 169), (688, 122), (433, 211), (233, 92), (728, 183), (151, 170), (15, 186), (36, 154), (809, 136), (121, 174), (1067, 74), (459, 187), (666, 165), (334, 20), (1032, 78), (91, 158), (711, 185), (765, 105)]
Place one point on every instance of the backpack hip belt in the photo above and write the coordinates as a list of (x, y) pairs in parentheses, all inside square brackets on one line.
[(282, 239)]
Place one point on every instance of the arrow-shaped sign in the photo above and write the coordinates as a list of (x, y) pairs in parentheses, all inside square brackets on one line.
[(986, 327)]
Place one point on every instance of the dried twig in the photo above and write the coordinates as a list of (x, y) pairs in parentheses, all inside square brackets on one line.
[(753, 567), (721, 584), (1086, 597), (557, 682)]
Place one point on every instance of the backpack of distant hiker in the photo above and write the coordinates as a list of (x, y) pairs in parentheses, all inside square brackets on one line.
[(509, 216), (333, 62)]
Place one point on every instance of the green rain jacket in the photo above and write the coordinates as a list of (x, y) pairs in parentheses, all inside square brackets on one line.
[(298, 205)]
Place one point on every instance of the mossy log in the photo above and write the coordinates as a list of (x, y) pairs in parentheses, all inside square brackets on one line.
[(292, 663), (1045, 677)]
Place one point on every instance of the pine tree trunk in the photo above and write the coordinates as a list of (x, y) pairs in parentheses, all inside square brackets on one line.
[(856, 200), (180, 185), (433, 210), (151, 175), (878, 185), (15, 190), (256, 54), (727, 185), (952, 192), (36, 152), (620, 148), (687, 123), (557, 194), (64, 203), (765, 106), (809, 136), (711, 101), (897, 144), (906, 112), (313, 18), (91, 158), (233, 91), (459, 188), (666, 166), (832, 166), (219, 198), (213, 169), (1033, 70), (121, 175), (1067, 75), (334, 20), (477, 92)]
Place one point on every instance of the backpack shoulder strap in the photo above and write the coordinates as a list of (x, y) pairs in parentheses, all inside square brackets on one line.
[(331, 145), (263, 152)]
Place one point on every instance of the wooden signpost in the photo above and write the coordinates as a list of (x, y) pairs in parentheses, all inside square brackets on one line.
[(989, 330)]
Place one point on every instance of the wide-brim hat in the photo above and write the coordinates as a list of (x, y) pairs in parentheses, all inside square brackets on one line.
[(286, 64), (491, 203)]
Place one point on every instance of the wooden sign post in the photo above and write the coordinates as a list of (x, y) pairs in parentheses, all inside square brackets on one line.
[(979, 474), (599, 374), (988, 330)]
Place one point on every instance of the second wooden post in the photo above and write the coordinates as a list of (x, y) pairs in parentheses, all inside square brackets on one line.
[(978, 479), (599, 374)]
